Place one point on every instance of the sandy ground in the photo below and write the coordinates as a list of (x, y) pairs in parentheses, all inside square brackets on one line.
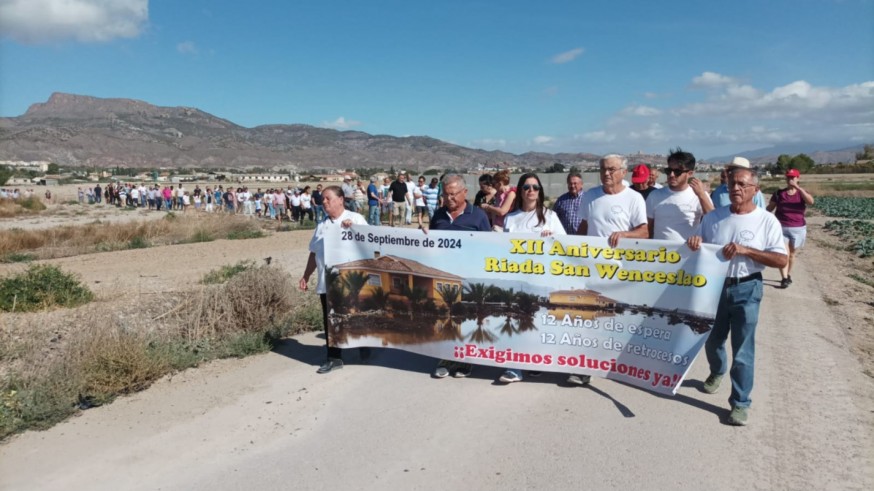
[(270, 422)]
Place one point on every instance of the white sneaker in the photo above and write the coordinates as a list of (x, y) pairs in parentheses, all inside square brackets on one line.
[(511, 375)]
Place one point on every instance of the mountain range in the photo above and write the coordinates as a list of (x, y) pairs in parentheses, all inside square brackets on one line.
[(81, 130), (78, 130)]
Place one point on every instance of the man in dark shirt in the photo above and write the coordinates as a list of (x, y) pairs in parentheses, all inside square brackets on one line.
[(318, 202), (399, 192), (457, 214)]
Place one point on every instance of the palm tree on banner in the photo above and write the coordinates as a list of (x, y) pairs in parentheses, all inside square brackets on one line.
[(379, 297), (477, 293), (449, 294), (354, 283), (415, 295), (335, 290)]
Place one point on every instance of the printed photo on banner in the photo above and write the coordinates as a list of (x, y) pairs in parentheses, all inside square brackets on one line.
[(639, 313)]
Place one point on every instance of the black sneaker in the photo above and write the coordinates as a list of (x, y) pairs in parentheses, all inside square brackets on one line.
[(331, 364), (788, 280), (784, 283)]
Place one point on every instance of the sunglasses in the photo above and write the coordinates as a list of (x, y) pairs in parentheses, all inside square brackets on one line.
[(526, 187), (675, 172)]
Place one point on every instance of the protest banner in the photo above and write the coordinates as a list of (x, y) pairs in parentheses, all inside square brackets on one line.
[(639, 313)]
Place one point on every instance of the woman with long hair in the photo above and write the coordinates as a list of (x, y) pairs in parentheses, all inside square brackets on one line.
[(505, 198), (530, 216)]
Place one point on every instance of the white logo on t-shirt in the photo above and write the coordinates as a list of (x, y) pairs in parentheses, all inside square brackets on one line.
[(747, 235)]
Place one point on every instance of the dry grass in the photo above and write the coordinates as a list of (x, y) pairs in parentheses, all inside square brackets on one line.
[(29, 206), (57, 362), (101, 237)]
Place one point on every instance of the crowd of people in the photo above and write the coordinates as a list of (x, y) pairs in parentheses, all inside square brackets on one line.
[(683, 210), (293, 203), (16, 194)]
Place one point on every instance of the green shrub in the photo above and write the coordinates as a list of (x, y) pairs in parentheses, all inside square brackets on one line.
[(18, 257), (226, 272), (32, 204), (202, 236), (138, 242), (40, 287), (245, 234)]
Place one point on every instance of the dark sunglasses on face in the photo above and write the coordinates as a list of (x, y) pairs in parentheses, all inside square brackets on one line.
[(675, 172), (526, 187)]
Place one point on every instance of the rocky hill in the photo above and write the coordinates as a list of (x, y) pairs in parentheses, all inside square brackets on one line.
[(81, 130)]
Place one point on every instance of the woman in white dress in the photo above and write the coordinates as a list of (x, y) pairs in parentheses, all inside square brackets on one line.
[(531, 216)]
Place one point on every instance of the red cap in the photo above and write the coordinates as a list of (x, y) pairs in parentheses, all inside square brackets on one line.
[(793, 173), (640, 174)]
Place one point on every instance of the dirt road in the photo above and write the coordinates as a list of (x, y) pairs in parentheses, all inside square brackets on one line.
[(270, 422)]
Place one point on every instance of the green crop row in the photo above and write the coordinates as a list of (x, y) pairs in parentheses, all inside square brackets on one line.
[(846, 207), (858, 233)]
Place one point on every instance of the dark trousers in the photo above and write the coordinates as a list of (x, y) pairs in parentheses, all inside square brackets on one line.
[(333, 352)]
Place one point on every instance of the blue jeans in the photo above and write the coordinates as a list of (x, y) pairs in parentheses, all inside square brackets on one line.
[(374, 215), (320, 213), (738, 314)]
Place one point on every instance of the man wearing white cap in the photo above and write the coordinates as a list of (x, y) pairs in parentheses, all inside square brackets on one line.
[(720, 197), (752, 240)]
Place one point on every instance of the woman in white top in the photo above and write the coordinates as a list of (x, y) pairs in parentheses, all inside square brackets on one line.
[(531, 216)]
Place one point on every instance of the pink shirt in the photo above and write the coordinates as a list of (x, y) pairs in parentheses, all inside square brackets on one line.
[(790, 208)]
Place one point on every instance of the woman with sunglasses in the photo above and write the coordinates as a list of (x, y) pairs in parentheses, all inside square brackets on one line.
[(531, 216)]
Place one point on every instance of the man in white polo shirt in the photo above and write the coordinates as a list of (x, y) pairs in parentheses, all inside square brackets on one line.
[(675, 211), (752, 240)]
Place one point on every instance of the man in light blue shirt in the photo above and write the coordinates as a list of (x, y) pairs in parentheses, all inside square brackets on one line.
[(720, 196)]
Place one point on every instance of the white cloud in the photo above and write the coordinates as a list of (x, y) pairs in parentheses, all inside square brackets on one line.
[(638, 110), (741, 116), (341, 123), (187, 48), (711, 79), (567, 56), (489, 143), (543, 140), (40, 21)]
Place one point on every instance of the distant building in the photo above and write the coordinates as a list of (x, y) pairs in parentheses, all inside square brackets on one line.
[(581, 298)]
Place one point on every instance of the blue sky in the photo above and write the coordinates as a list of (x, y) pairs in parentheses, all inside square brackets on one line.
[(574, 76)]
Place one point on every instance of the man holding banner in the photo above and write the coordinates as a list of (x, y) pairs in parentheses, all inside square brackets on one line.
[(614, 211), (753, 240), (457, 214)]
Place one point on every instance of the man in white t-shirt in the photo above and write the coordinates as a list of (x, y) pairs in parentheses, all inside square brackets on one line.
[(675, 211), (613, 210), (753, 240), (411, 199)]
